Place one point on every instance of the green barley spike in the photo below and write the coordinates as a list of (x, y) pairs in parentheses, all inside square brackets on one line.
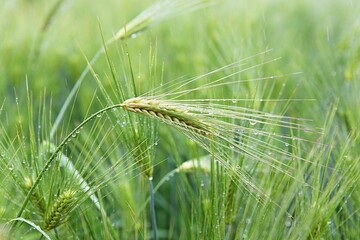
[(36, 197), (59, 210), (230, 201)]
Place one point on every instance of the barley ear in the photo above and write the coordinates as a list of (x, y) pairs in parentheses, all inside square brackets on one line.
[(36, 197), (230, 202), (60, 210), (172, 115), (165, 112)]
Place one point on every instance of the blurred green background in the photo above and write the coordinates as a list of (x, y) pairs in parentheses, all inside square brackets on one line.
[(319, 39), (46, 43)]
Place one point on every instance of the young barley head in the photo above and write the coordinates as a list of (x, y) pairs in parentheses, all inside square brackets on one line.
[(60, 210), (168, 113), (154, 14), (36, 197)]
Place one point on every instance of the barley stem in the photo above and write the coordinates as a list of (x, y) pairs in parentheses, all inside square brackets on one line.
[(214, 195), (152, 210)]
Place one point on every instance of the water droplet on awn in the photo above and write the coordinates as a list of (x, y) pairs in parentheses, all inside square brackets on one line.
[(252, 122), (11, 167)]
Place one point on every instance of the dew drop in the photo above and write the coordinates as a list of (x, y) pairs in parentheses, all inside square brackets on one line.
[(252, 123), (11, 167), (99, 115), (234, 101), (134, 35), (288, 224), (286, 144)]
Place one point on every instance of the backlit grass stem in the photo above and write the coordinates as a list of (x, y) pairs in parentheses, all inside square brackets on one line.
[(152, 210)]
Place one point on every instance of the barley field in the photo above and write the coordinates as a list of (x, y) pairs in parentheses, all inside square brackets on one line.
[(179, 119)]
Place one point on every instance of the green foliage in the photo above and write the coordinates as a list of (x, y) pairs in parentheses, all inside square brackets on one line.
[(240, 141)]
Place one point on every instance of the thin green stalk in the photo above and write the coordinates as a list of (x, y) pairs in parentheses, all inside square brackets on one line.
[(156, 188), (228, 230), (152, 210), (213, 191)]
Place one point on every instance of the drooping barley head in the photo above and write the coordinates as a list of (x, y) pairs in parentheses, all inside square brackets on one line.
[(167, 113)]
